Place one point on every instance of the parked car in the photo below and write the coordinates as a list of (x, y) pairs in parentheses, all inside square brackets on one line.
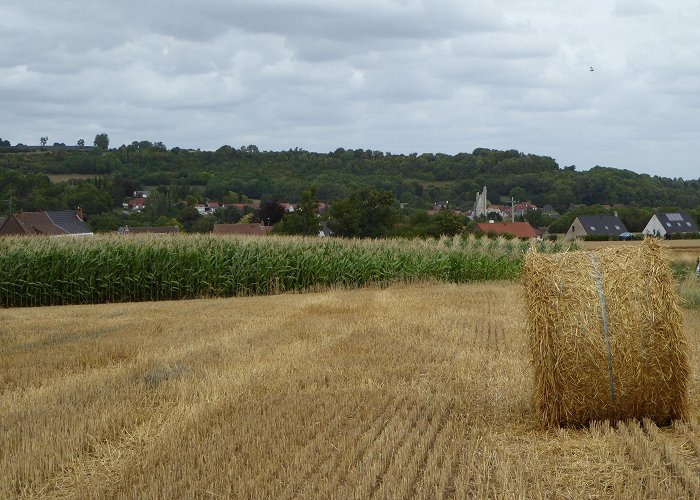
[(626, 236)]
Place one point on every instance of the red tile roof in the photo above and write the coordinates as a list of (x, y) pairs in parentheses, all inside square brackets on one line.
[(518, 229), (133, 202)]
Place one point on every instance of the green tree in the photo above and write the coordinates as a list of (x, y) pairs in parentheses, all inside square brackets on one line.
[(445, 223), (203, 225), (247, 219), (105, 223), (102, 141), (87, 196), (365, 213), (157, 204), (494, 216), (535, 218), (695, 213), (635, 218), (229, 215), (270, 212), (44, 140), (518, 193), (304, 220), (81, 143), (187, 217)]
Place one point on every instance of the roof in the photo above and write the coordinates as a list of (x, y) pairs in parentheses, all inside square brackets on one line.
[(69, 222), (254, 229), (151, 230), (678, 222), (53, 223), (602, 224), (518, 229)]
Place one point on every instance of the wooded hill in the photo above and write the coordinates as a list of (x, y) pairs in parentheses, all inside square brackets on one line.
[(417, 180)]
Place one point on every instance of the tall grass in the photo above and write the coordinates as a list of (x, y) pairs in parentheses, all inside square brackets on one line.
[(689, 291), (55, 271)]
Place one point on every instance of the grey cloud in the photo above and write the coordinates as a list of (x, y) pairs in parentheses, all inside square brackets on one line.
[(402, 76)]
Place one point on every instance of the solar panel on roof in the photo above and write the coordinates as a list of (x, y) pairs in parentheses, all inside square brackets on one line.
[(674, 217)]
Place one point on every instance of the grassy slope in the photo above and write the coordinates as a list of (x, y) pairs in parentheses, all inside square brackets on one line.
[(414, 391)]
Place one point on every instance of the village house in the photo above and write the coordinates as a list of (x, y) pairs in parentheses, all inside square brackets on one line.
[(517, 229), (665, 225), (46, 223), (136, 204), (584, 225), (548, 211)]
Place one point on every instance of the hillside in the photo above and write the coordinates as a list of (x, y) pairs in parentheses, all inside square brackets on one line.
[(417, 180)]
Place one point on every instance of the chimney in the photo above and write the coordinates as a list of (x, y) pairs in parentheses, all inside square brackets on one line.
[(79, 213)]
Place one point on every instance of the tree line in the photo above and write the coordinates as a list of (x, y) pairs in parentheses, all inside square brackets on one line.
[(182, 177)]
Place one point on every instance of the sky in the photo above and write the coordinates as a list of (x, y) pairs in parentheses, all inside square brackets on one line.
[(399, 76)]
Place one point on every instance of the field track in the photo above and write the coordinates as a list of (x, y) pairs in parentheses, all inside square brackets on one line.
[(418, 391)]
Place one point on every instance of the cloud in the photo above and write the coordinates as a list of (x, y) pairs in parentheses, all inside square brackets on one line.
[(633, 8), (397, 75)]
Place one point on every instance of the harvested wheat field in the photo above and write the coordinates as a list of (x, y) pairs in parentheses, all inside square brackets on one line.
[(421, 391)]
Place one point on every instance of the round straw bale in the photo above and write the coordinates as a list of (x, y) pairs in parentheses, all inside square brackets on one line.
[(606, 336)]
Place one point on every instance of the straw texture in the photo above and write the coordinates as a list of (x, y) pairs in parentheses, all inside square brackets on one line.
[(606, 336)]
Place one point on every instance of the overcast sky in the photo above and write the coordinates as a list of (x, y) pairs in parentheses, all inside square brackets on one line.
[(393, 75)]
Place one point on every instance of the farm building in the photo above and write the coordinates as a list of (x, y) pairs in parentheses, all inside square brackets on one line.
[(517, 229), (53, 223), (244, 229), (585, 225), (665, 225)]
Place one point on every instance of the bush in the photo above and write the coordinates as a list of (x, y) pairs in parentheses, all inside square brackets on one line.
[(600, 237), (685, 236)]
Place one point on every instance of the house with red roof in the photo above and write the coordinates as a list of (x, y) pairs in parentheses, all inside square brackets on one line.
[(136, 204), (517, 229)]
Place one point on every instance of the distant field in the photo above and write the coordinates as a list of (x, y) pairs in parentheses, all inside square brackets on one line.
[(68, 177), (683, 249), (419, 391)]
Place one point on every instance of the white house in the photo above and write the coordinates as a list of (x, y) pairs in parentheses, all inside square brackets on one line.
[(665, 225)]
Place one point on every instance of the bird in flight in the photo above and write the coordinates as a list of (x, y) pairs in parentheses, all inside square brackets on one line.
[(591, 68)]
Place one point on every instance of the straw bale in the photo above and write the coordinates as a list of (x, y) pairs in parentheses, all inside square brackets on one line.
[(639, 369)]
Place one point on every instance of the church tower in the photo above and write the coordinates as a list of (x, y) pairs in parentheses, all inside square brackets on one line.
[(481, 204)]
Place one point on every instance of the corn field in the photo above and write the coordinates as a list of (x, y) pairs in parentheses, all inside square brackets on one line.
[(104, 269)]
